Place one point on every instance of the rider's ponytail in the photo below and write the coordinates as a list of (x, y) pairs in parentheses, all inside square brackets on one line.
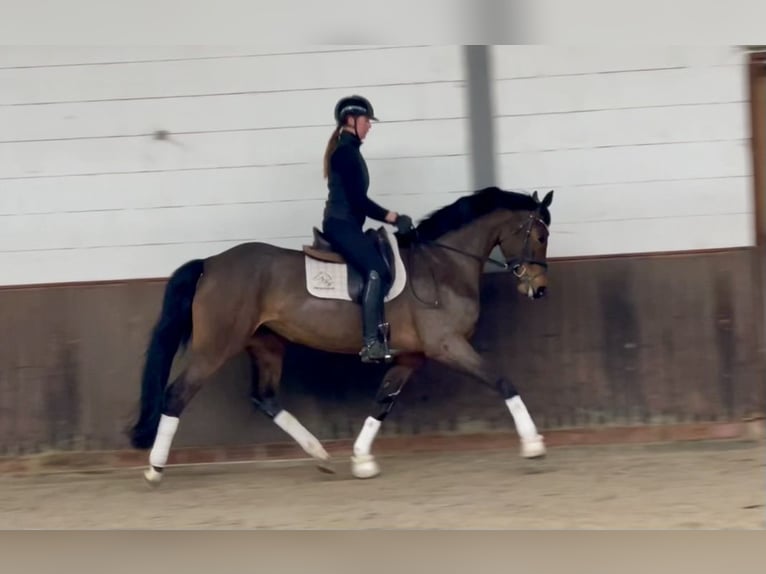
[(332, 143)]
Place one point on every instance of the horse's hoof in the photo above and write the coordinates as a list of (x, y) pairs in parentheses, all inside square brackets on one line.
[(364, 466), (533, 448), (326, 466), (153, 476)]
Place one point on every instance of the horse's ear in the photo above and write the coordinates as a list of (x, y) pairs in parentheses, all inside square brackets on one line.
[(548, 199), (535, 197)]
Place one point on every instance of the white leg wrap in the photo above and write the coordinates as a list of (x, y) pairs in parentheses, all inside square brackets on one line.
[(165, 433), (524, 424), (302, 436), (363, 443), (532, 444), (363, 464)]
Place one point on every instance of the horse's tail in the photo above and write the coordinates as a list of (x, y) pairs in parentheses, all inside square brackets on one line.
[(172, 330)]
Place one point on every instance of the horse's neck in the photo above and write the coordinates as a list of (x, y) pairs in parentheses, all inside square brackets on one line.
[(478, 237), (471, 246)]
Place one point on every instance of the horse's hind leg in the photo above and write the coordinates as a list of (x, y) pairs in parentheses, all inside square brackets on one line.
[(177, 396), (363, 463), (267, 351)]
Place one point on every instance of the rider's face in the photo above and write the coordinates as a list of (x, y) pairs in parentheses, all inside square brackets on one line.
[(363, 125)]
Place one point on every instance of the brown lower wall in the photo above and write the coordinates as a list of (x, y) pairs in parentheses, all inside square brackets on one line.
[(625, 341)]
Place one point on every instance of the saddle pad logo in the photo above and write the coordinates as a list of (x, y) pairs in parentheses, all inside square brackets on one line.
[(323, 280)]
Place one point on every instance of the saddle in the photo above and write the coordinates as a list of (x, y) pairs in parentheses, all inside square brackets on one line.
[(322, 250)]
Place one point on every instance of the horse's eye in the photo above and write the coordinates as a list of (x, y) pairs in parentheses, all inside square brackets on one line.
[(542, 239)]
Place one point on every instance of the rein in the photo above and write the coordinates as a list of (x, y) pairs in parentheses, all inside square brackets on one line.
[(517, 264), (479, 258)]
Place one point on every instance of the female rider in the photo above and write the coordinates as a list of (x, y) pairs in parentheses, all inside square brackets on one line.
[(345, 213)]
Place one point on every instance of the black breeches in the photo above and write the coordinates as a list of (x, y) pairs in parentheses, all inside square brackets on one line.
[(360, 251)]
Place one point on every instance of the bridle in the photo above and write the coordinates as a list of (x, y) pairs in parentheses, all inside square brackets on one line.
[(518, 265)]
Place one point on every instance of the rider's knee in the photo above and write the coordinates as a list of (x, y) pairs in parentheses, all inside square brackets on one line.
[(383, 274)]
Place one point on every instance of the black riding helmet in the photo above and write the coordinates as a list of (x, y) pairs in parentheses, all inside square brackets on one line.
[(353, 106)]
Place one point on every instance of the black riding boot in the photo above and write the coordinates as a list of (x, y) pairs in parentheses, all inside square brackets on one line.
[(374, 328)]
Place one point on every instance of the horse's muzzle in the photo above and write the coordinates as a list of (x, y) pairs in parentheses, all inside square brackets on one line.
[(533, 292), (533, 287)]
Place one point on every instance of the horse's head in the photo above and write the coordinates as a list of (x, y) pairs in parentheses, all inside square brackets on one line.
[(527, 239), (474, 224)]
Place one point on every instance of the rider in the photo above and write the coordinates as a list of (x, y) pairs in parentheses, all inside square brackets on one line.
[(345, 213)]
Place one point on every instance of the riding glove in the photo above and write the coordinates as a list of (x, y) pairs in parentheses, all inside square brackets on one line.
[(404, 224)]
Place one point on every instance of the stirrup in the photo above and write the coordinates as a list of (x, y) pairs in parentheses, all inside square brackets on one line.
[(376, 352)]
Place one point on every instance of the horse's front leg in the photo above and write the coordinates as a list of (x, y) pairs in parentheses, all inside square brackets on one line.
[(363, 463), (458, 353)]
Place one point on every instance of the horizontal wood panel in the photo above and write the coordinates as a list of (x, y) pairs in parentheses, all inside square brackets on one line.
[(208, 150), (625, 164), (239, 222), (223, 222), (406, 177), (680, 233), (109, 263), (41, 56), (426, 178), (641, 200), (525, 61), (622, 127), (228, 112), (675, 87), (196, 77)]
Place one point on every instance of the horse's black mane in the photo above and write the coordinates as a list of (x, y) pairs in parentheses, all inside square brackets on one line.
[(470, 207)]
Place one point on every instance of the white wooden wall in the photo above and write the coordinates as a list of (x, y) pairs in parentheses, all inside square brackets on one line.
[(86, 192), (647, 148)]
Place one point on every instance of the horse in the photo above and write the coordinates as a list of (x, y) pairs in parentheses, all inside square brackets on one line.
[(258, 297)]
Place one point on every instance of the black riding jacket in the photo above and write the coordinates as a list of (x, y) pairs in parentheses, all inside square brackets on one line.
[(348, 182)]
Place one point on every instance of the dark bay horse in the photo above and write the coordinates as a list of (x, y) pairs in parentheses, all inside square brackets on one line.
[(254, 297)]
